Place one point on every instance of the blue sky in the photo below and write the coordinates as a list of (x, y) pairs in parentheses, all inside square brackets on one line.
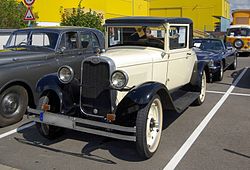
[(240, 4)]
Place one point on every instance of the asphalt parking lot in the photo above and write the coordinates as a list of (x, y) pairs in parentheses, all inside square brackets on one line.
[(215, 135)]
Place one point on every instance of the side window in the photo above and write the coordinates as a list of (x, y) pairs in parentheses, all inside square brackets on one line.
[(69, 41), (95, 42), (85, 39), (177, 37), (40, 39)]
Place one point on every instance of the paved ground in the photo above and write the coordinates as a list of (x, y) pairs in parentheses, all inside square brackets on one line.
[(224, 143)]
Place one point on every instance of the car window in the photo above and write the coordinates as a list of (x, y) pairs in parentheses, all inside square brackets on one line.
[(69, 41), (177, 37), (19, 38), (85, 39), (95, 42), (137, 36)]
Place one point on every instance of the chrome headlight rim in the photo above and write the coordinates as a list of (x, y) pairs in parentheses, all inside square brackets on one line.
[(124, 74), (71, 73), (211, 63)]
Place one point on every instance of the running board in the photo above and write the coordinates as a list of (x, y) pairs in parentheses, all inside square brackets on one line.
[(84, 125), (183, 99)]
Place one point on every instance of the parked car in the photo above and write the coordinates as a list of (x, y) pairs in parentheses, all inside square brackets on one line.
[(148, 69), (219, 56), (32, 53)]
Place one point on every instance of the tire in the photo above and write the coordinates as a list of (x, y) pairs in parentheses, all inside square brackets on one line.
[(220, 74), (13, 105), (48, 131), (203, 88), (149, 127), (233, 66)]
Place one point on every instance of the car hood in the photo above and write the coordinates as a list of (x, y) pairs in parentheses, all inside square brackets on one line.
[(8, 56), (128, 56)]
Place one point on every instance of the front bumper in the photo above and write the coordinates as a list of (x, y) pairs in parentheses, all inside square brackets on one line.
[(84, 125)]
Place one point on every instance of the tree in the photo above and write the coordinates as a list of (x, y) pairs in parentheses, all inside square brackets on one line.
[(78, 17), (12, 14)]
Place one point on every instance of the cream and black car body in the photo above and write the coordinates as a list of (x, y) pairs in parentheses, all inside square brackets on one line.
[(148, 68)]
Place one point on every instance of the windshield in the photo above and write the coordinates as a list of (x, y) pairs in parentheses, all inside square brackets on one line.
[(209, 45), (136, 36), (238, 32), (36, 39)]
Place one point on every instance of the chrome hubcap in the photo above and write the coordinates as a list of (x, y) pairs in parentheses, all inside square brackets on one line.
[(10, 104), (154, 125)]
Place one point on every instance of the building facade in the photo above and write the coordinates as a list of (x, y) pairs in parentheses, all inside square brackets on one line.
[(49, 11), (207, 16), (241, 16)]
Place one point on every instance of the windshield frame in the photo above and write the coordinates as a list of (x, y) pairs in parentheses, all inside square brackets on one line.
[(107, 35), (208, 41), (29, 33)]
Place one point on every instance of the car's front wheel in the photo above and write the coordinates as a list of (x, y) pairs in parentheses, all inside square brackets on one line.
[(203, 89), (219, 75), (13, 105), (48, 131), (149, 127)]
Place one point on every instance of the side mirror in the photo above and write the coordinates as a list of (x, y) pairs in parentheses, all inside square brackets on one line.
[(61, 50)]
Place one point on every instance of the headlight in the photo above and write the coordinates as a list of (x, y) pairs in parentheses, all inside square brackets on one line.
[(211, 63), (65, 74), (238, 43), (119, 79)]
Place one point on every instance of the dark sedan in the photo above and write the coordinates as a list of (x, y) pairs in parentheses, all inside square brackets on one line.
[(219, 56), (32, 53)]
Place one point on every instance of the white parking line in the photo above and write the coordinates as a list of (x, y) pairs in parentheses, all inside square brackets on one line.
[(192, 138), (236, 94), (17, 130)]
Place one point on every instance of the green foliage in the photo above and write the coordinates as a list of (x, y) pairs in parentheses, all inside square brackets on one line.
[(78, 17), (12, 14)]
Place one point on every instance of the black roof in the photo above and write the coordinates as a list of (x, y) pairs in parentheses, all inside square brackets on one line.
[(57, 29), (146, 21)]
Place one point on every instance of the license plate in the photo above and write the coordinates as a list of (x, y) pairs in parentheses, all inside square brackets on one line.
[(41, 116)]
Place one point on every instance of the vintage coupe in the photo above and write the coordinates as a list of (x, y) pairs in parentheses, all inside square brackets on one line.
[(148, 68), (219, 56), (32, 53)]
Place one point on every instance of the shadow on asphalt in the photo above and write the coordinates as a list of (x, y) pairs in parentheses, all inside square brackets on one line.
[(123, 150), (245, 80)]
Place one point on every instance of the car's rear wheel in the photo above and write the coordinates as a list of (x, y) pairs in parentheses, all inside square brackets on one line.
[(220, 74), (48, 131), (13, 105), (149, 128), (203, 89)]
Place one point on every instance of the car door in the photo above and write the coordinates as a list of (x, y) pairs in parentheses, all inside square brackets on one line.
[(181, 57)]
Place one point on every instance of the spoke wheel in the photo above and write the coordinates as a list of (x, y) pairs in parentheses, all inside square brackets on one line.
[(149, 128), (203, 89)]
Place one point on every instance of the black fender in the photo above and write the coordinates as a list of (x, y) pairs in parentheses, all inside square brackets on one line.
[(195, 81), (68, 94), (138, 98)]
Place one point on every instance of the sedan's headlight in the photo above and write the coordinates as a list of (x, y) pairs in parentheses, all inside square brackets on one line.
[(119, 79), (211, 63), (65, 74)]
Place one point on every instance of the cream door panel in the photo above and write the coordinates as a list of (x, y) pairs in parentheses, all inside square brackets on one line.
[(180, 67)]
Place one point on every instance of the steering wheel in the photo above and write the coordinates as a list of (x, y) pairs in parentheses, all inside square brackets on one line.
[(22, 43)]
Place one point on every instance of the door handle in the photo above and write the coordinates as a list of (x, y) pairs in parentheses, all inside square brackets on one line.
[(189, 54)]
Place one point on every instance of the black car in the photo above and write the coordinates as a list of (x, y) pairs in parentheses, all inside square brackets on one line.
[(32, 53), (219, 56)]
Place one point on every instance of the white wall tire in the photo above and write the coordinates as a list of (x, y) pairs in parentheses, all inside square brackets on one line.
[(203, 89), (149, 127)]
